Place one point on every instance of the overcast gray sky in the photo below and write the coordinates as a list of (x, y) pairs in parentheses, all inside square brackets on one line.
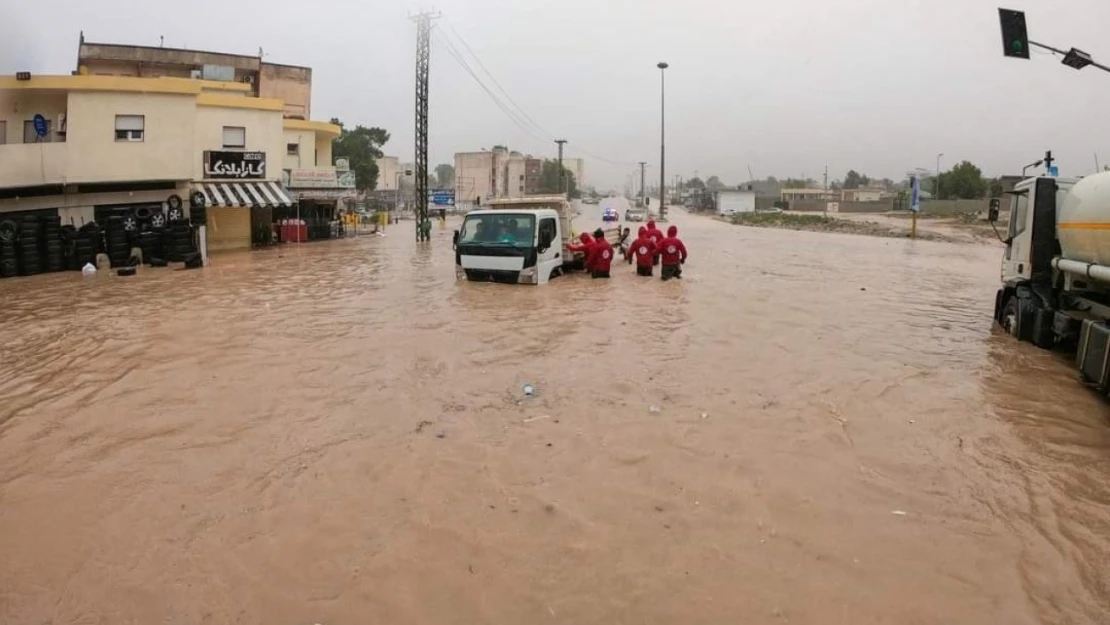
[(783, 86)]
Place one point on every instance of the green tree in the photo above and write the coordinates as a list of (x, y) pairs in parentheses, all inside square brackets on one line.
[(362, 147), (446, 175), (695, 183), (714, 184), (854, 180), (963, 181), (549, 179)]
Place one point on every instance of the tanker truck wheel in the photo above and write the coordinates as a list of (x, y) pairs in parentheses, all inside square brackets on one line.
[(1019, 317)]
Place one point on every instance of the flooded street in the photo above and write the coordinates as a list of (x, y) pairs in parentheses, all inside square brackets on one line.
[(337, 433)]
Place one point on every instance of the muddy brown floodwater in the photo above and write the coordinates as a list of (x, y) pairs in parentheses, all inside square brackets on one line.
[(337, 434)]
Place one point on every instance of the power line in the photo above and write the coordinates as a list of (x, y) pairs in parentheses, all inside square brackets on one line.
[(516, 112), (482, 65), (514, 117)]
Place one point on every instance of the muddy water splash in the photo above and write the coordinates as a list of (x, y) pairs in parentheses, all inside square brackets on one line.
[(337, 434)]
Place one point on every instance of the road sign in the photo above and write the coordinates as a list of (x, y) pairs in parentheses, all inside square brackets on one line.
[(442, 197), (915, 194), (40, 125), (1054, 171)]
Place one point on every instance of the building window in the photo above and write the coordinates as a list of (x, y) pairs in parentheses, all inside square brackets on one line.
[(29, 134), (3, 132), (292, 149), (235, 137), (130, 127)]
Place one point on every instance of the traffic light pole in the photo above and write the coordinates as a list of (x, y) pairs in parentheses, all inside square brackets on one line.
[(1073, 58)]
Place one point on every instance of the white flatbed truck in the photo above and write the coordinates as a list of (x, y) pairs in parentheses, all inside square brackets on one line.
[(519, 241)]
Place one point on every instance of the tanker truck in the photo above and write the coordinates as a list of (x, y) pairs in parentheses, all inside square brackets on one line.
[(1056, 270)]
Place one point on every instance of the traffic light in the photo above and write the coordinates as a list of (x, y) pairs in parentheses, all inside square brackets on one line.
[(1015, 39)]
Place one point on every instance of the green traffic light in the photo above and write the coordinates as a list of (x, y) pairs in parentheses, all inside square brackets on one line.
[(1017, 45)]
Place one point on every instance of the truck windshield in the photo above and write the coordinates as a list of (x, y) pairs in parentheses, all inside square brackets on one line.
[(508, 229)]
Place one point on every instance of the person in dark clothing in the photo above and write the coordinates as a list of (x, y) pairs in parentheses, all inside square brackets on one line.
[(673, 253), (600, 256), (644, 251)]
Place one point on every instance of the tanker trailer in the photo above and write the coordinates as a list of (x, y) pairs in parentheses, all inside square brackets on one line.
[(1056, 270)]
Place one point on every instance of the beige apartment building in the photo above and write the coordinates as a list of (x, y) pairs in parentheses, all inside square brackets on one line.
[(115, 143), (496, 173)]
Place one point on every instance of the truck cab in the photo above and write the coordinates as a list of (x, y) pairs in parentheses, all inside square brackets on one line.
[(523, 246), (1056, 270)]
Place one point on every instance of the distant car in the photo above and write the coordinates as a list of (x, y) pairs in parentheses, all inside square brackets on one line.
[(610, 214), (634, 215)]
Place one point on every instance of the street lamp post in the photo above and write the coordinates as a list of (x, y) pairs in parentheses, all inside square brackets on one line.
[(936, 185), (662, 141)]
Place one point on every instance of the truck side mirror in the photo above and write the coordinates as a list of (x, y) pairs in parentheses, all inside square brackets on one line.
[(455, 240), (545, 241), (992, 212)]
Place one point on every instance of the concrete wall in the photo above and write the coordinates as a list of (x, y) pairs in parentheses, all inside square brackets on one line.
[(516, 178), (388, 166), (293, 85), (323, 151), (928, 207), (264, 134), (474, 175), (306, 149), (165, 153), (19, 106)]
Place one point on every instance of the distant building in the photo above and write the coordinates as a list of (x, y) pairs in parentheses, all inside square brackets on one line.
[(861, 195), (389, 172), (577, 167), (789, 195)]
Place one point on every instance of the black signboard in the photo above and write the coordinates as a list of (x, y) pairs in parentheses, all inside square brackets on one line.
[(221, 164)]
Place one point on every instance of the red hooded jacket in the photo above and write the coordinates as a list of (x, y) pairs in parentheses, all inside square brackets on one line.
[(600, 256), (643, 249), (586, 245), (671, 248)]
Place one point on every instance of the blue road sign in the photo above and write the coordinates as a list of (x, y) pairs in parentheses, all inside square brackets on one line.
[(915, 194), (442, 197), (40, 125), (1054, 171)]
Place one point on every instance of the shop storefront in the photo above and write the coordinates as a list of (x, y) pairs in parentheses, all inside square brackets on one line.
[(321, 194), (240, 203)]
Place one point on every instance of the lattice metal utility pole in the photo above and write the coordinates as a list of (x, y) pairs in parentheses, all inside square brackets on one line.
[(562, 174), (423, 57)]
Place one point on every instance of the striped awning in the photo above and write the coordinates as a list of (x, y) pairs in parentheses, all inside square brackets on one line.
[(246, 194)]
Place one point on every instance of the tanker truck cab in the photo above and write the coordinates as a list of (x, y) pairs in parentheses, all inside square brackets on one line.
[(1056, 270), (511, 246)]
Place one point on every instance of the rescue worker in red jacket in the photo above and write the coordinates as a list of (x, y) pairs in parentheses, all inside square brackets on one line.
[(600, 256), (631, 255), (643, 249), (673, 253), (656, 236), (586, 245)]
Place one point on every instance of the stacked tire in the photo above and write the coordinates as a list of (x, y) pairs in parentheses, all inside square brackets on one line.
[(198, 213), (177, 241), (86, 246), (9, 234), (117, 241), (150, 242), (29, 248), (53, 251)]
